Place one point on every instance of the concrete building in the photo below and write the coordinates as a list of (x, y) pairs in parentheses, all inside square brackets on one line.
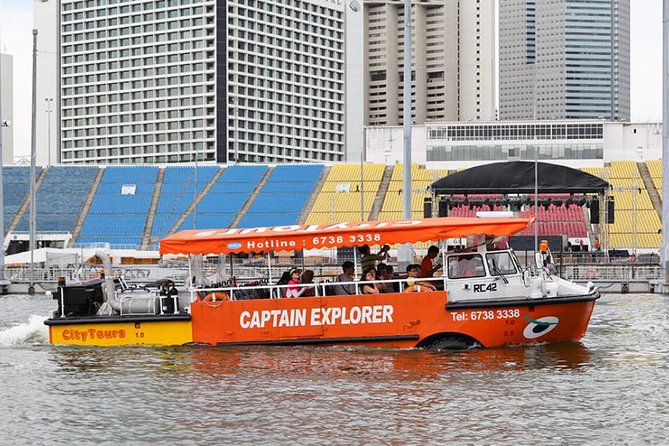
[(7, 106), (453, 61), (47, 140), (561, 59), (179, 80), (576, 143)]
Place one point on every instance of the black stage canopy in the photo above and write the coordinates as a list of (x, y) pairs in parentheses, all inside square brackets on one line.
[(517, 177)]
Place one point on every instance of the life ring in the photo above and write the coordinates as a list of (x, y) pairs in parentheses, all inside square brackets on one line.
[(217, 297), (590, 274)]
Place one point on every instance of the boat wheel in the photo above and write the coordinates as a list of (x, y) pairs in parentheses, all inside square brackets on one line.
[(31, 290), (453, 343)]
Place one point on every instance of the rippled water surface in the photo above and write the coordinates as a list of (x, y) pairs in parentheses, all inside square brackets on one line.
[(609, 389)]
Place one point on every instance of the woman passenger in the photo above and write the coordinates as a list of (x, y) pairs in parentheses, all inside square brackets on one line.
[(369, 279), (308, 278), (285, 278), (295, 290)]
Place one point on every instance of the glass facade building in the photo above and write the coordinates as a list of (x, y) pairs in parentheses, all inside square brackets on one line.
[(564, 59)]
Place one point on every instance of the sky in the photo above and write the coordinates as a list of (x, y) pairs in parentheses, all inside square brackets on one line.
[(16, 23)]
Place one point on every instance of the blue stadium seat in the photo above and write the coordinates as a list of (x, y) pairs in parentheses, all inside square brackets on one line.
[(283, 197), (116, 218), (60, 198)]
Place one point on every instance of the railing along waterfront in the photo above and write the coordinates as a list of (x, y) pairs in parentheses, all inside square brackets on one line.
[(610, 272)]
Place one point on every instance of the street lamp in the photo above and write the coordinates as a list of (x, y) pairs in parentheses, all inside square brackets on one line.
[(48, 101)]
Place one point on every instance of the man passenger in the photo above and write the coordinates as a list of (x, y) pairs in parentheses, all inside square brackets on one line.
[(428, 267), (412, 282), (346, 276)]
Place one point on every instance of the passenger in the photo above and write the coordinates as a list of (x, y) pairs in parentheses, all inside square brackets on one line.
[(383, 274), (369, 282), (295, 290), (368, 260), (412, 283), (285, 278), (428, 266), (308, 278), (394, 276), (346, 276)]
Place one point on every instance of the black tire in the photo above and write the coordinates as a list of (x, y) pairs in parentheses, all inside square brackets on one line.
[(31, 290), (452, 343)]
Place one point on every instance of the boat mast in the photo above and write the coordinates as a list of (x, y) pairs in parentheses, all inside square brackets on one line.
[(405, 254)]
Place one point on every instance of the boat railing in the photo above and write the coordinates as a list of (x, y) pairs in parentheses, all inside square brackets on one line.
[(274, 291), (131, 273)]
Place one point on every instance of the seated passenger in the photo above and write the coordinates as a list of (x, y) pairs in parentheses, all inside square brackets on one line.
[(369, 285), (308, 278), (346, 276), (393, 275), (294, 290), (412, 283), (383, 273), (285, 278)]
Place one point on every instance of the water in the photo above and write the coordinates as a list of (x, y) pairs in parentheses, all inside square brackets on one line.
[(609, 389)]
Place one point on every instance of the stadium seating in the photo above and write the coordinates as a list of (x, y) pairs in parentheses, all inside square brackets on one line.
[(225, 199), (16, 186), (421, 179), (120, 219), (347, 193), (283, 197), (655, 169), (59, 199), (177, 194), (636, 222), (116, 217)]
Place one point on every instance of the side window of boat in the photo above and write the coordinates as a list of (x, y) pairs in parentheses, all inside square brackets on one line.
[(500, 263), (464, 266)]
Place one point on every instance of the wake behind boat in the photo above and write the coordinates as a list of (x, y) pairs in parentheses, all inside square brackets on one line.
[(484, 298)]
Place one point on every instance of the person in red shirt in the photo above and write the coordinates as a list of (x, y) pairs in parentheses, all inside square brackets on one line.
[(428, 266)]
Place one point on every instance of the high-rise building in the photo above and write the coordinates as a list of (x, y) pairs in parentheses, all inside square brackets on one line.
[(453, 49), (47, 141), (564, 59), (162, 81), (7, 106)]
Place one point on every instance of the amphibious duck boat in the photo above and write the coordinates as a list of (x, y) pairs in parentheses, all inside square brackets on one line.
[(493, 301)]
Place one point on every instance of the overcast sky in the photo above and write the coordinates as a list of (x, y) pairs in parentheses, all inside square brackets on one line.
[(16, 23)]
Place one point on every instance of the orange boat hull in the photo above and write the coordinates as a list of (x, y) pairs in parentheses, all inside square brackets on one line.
[(390, 320)]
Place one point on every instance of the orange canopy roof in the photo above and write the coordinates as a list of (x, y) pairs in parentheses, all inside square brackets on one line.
[(284, 238)]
